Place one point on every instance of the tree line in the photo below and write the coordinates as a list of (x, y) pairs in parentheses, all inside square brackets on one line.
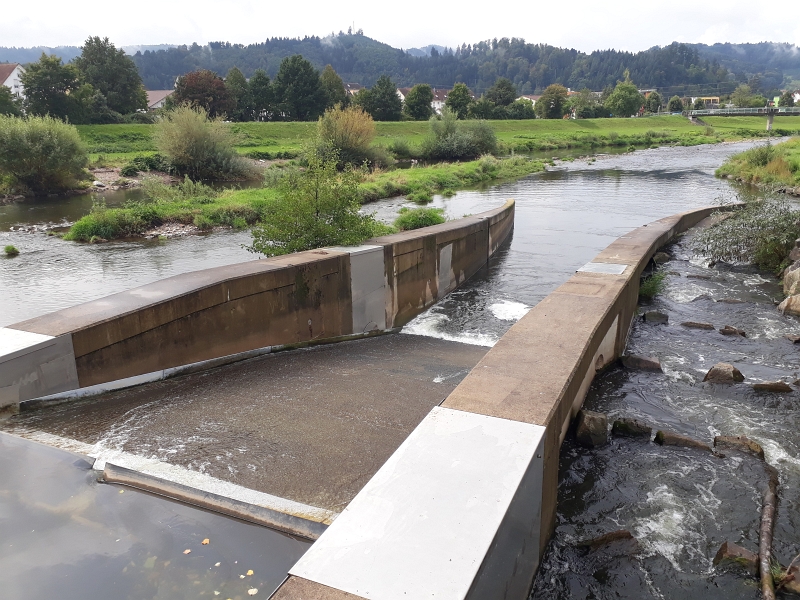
[(359, 59)]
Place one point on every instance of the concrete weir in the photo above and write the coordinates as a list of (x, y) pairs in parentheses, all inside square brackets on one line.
[(466, 505), (209, 317)]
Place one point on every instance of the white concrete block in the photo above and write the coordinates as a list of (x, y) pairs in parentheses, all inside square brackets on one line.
[(425, 525), (605, 268)]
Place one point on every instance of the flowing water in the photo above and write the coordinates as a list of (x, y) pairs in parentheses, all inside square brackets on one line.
[(680, 504)]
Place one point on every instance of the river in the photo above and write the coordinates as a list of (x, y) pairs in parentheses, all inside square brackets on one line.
[(680, 504)]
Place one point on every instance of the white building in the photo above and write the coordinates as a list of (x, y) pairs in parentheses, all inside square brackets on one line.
[(796, 96), (10, 74), (529, 98), (157, 98)]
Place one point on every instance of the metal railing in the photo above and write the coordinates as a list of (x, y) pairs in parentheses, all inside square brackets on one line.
[(764, 110)]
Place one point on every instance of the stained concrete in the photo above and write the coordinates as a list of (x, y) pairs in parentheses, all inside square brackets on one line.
[(310, 425)]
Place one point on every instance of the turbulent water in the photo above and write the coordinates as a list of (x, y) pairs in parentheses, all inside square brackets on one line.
[(680, 504)]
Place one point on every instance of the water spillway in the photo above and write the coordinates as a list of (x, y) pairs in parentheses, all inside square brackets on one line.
[(563, 220)]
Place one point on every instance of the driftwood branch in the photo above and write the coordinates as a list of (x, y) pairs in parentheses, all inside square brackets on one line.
[(765, 535)]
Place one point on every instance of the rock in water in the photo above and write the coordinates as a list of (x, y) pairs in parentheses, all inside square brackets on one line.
[(778, 387), (696, 325), (731, 556), (667, 438), (641, 363), (739, 442), (622, 535), (661, 257), (592, 429), (791, 279), (724, 373), (790, 306), (795, 339), (631, 428), (730, 330), (654, 316)]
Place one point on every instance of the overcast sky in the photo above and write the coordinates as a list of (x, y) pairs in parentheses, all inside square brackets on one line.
[(582, 24)]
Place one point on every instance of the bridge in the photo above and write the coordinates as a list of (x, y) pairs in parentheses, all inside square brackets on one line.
[(767, 111)]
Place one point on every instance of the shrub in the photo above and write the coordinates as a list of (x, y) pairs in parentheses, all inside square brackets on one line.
[(450, 139), (41, 153), (348, 132), (316, 207), (760, 232), (199, 146), (11, 250), (414, 218), (186, 190), (653, 285), (420, 196)]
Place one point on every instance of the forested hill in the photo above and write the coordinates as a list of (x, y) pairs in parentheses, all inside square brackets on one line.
[(532, 67)]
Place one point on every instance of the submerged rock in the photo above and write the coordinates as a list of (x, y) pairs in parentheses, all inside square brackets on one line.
[(706, 277), (654, 316), (592, 429), (730, 330), (641, 363), (741, 443), (621, 535), (778, 387), (667, 438), (724, 373), (731, 301), (697, 325), (631, 428), (790, 306), (731, 556)]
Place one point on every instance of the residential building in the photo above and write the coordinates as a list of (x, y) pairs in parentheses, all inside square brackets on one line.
[(10, 74), (353, 88), (157, 98), (530, 98)]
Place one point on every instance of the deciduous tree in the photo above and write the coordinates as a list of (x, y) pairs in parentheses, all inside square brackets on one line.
[(55, 89), (675, 104), (10, 103), (502, 93), (111, 72), (205, 89), (653, 103), (239, 90), (381, 100), (458, 100), (334, 87), (552, 103), (261, 96), (417, 104), (298, 91), (625, 100), (786, 100)]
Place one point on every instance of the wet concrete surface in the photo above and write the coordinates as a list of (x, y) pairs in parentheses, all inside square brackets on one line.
[(64, 535), (309, 425)]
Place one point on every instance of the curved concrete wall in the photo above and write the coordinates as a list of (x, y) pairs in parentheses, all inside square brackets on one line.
[(300, 298), (466, 506)]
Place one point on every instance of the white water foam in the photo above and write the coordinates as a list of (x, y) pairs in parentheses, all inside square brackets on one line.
[(429, 324), (508, 310)]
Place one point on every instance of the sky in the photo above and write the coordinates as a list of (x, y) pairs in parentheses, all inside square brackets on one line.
[(580, 24)]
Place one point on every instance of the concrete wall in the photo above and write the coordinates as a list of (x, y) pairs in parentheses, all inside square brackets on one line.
[(301, 298), (534, 380)]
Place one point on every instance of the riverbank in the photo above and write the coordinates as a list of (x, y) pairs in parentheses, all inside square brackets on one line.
[(116, 145), (241, 208), (768, 166)]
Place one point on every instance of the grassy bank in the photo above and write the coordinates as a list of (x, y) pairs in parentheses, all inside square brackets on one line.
[(198, 205), (768, 165), (119, 143)]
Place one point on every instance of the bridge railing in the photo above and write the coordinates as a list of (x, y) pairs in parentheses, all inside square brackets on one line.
[(765, 110)]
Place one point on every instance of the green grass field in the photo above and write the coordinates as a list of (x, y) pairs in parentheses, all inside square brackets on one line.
[(117, 144)]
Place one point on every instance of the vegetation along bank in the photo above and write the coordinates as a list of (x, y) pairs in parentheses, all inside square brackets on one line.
[(774, 167)]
